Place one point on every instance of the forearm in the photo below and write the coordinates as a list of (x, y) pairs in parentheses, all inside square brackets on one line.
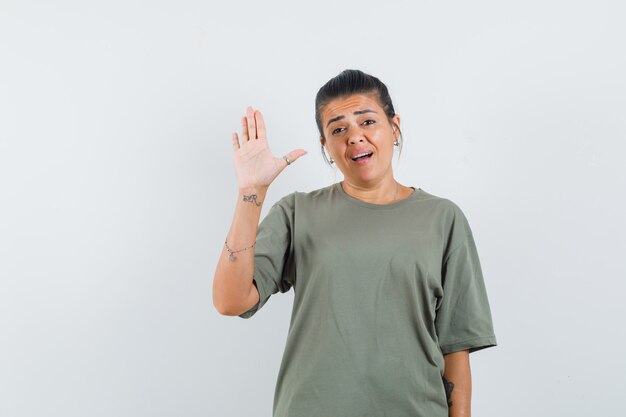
[(233, 276), (458, 381)]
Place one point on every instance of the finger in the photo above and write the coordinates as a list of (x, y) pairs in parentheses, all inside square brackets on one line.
[(235, 140), (251, 123), (260, 125), (293, 155), (244, 129)]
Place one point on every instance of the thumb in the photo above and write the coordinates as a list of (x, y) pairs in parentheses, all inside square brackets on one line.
[(295, 154)]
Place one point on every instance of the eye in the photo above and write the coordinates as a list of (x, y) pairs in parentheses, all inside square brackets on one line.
[(335, 131), (370, 120)]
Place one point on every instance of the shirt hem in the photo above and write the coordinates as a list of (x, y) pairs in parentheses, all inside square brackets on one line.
[(474, 344)]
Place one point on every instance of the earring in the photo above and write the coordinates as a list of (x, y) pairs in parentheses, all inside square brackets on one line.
[(331, 160), (396, 143)]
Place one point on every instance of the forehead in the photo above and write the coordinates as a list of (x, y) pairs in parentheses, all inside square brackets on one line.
[(346, 105)]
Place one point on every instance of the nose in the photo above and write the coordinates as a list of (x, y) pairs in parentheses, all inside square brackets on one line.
[(356, 136)]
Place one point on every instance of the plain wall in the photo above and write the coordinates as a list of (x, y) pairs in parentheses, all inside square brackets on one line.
[(117, 189)]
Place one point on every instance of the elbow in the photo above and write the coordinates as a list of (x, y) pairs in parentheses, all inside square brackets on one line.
[(220, 309), (228, 301), (219, 305), (227, 311), (223, 308), (218, 300)]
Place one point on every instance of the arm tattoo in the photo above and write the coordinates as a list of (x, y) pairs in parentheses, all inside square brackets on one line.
[(251, 199), (449, 387)]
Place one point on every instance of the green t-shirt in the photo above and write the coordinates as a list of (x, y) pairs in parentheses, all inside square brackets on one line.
[(381, 293)]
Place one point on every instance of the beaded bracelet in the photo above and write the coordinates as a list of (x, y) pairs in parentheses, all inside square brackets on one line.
[(231, 253)]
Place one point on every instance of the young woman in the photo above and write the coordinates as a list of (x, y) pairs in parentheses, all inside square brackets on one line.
[(389, 297)]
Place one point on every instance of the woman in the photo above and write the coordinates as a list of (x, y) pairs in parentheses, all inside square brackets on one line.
[(389, 295)]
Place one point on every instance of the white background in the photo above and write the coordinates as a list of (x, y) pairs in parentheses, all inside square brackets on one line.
[(117, 189)]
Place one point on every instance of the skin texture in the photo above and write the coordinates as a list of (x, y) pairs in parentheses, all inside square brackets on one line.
[(373, 181), (457, 377)]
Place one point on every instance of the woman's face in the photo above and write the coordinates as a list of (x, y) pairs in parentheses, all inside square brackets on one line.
[(354, 126)]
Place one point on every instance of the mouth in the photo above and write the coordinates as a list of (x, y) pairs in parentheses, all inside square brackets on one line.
[(362, 157)]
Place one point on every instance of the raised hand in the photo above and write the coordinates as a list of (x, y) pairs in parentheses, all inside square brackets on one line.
[(255, 165)]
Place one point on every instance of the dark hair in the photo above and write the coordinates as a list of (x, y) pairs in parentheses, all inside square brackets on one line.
[(350, 82)]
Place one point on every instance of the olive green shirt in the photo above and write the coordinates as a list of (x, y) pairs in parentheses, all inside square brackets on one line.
[(381, 293)]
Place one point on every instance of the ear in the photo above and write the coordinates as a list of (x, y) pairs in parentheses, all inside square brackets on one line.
[(323, 142), (396, 133)]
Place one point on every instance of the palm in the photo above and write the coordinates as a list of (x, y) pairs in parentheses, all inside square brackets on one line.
[(255, 165)]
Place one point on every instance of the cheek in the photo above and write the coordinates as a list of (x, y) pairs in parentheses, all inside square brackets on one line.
[(336, 148), (385, 142)]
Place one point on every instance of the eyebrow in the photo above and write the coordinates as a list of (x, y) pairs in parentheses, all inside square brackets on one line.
[(334, 119)]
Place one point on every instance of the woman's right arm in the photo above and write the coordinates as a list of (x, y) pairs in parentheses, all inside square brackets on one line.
[(233, 290), (256, 168)]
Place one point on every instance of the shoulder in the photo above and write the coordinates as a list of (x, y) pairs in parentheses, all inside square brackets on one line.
[(318, 193), (444, 206), (440, 209), (456, 226), (295, 198), (450, 216), (292, 201)]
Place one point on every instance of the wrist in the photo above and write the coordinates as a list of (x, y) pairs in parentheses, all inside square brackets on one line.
[(252, 195), (258, 190)]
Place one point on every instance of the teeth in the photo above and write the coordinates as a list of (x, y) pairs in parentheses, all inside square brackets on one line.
[(360, 155)]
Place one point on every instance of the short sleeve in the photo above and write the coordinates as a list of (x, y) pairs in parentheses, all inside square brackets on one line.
[(463, 319), (272, 253)]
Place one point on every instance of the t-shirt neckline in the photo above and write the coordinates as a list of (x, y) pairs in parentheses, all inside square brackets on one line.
[(362, 203)]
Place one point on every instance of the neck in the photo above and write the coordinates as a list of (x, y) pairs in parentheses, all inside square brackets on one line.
[(385, 191)]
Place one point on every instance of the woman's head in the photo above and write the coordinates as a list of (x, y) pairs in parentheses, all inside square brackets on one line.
[(354, 113), (351, 82)]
